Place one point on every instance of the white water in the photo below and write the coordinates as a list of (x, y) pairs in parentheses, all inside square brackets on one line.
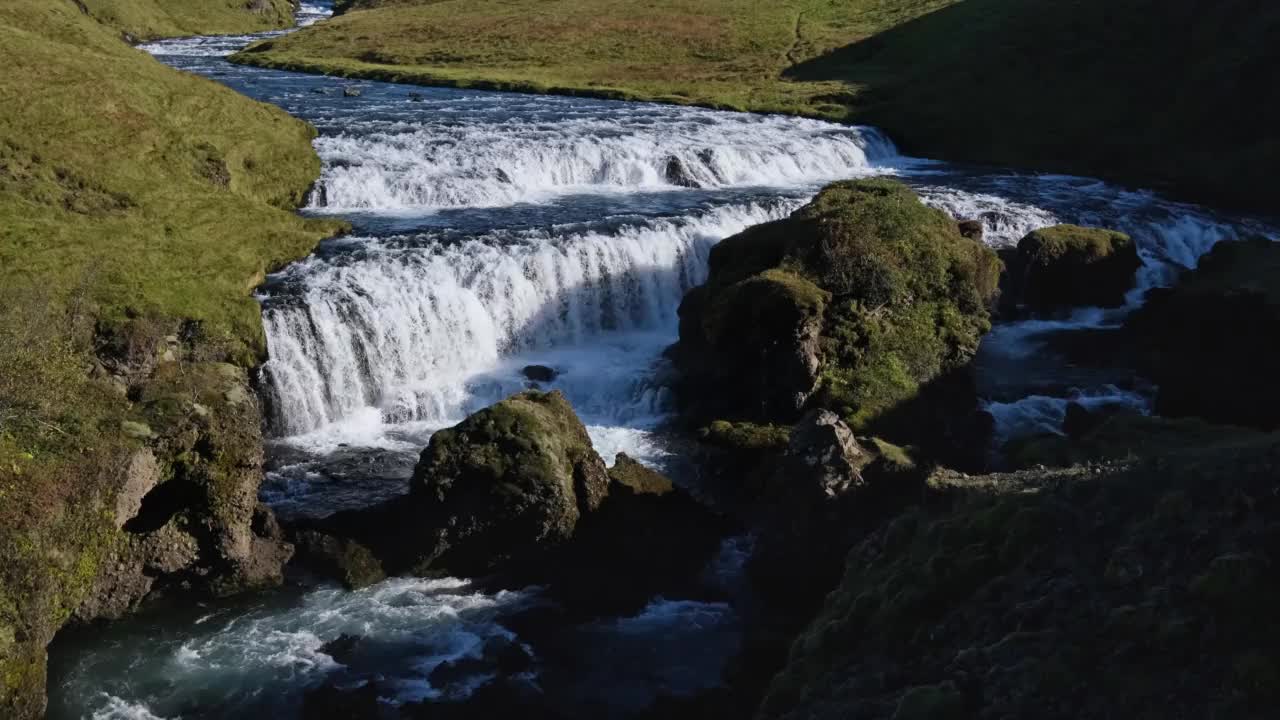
[(1043, 415), (429, 164), (221, 663), (427, 332)]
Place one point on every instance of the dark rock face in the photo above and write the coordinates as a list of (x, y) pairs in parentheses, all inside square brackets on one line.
[(1069, 266), (1211, 341), (329, 702), (1132, 590), (343, 559), (677, 174), (540, 373), (825, 454), (188, 507), (852, 304)]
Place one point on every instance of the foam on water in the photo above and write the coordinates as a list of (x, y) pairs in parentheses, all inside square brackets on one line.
[(114, 708), (424, 331), (1044, 415), (439, 163), (258, 662)]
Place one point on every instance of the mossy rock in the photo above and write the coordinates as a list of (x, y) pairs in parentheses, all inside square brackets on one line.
[(745, 436), (895, 295), (1069, 266), (512, 478), (639, 478)]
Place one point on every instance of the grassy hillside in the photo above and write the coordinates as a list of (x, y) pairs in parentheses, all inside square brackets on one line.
[(728, 53), (1166, 93), (147, 19), (139, 206)]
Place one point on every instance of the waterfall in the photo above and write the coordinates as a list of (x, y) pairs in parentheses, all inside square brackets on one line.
[(440, 163), (406, 323)]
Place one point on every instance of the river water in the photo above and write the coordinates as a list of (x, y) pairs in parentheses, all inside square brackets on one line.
[(494, 231)]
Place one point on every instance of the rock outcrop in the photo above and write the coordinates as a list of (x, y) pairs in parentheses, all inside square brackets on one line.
[(191, 518), (512, 478), (1210, 341), (1068, 266), (857, 303), (517, 493), (1138, 590)]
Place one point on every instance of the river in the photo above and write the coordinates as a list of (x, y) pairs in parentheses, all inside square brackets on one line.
[(493, 231)]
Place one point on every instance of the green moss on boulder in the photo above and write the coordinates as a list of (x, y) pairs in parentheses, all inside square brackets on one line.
[(853, 304), (745, 436), (638, 478), (1068, 266), (510, 479)]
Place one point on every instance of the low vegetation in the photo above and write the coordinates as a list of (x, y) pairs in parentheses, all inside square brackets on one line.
[(150, 19), (1140, 589), (139, 207), (855, 303), (1150, 92)]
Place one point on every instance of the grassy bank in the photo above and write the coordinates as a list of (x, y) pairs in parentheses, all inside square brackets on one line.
[(139, 206), (1163, 94), (148, 19)]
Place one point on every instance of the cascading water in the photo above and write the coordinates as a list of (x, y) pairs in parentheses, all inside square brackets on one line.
[(425, 330), (495, 231)]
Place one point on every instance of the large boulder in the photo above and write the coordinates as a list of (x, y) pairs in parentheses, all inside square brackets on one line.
[(854, 304), (514, 477), (516, 494), (1068, 266), (1210, 342)]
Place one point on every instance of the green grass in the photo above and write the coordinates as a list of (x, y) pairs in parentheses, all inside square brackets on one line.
[(149, 19), (136, 202), (1160, 93), (723, 53)]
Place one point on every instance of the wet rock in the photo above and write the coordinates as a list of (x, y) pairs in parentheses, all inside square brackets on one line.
[(513, 478), (1069, 266), (352, 92), (330, 702), (343, 559), (508, 657), (823, 452), (972, 229), (676, 173), (540, 373), (188, 505), (639, 478), (342, 648), (415, 97)]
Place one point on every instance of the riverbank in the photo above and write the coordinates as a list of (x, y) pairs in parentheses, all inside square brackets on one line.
[(1134, 94), (139, 207)]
